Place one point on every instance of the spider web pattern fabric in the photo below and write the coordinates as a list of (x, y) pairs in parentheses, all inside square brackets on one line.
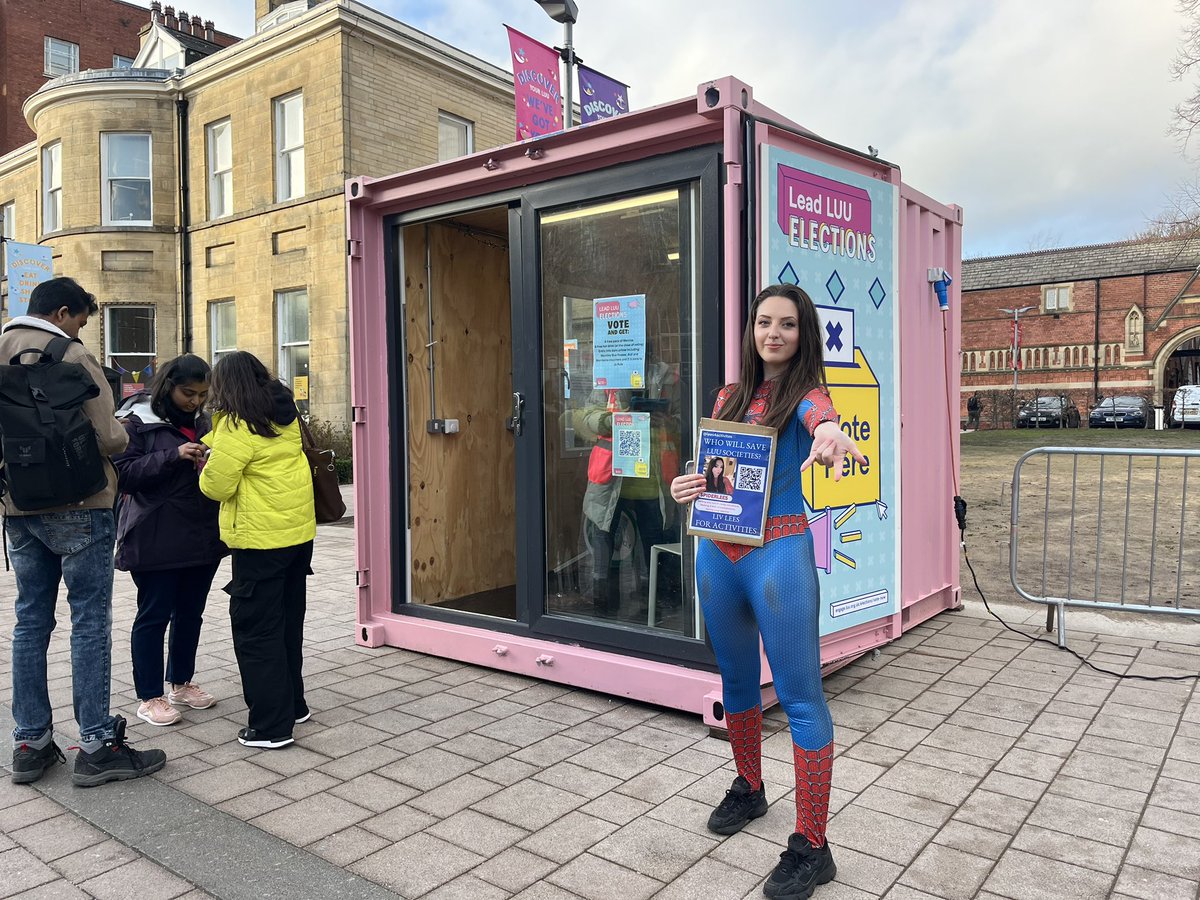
[(814, 776), (745, 737), (815, 408), (772, 592)]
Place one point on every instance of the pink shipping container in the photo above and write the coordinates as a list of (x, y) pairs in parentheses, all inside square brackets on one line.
[(489, 529)]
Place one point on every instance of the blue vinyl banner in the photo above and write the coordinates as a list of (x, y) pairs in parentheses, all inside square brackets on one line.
[(832, 231), (28, 266)]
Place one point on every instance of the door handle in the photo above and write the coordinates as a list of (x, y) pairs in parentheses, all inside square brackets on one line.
[(516, 422)]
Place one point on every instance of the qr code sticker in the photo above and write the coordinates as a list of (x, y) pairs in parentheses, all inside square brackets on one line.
[(751, 478), (629, 443)]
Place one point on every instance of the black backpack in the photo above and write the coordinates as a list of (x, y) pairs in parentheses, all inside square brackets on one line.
[(48, 446)]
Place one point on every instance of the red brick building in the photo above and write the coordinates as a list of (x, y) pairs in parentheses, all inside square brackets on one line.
[(1107, 319), (43, 39)]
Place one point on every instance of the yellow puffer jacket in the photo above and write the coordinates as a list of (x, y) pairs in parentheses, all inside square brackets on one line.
[(264, 486)]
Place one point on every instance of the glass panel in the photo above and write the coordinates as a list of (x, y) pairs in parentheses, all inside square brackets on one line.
[(61, 57), (224, 328), (293, 317), (614, 542), (452, 137), (130, 329), (293, 371), (128, 155), (291, 127), (53, 164), (8, 227), (222, 147), (129, 200), (221, 195), (295, 164)]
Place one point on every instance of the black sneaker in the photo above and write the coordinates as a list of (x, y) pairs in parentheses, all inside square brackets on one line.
[(801, 868), (252, 738), (740, 805), (29, 764), (115, 761)]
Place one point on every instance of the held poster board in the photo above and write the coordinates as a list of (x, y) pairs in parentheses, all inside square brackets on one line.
[(738, 461), (832, 231)]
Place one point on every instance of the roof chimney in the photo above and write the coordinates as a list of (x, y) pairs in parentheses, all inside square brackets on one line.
[(197, 26), (169, 17), (210, 33), (155, 11), (183, 21)]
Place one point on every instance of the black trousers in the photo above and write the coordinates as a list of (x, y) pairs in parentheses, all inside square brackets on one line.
[(175, 598), (267, 600)]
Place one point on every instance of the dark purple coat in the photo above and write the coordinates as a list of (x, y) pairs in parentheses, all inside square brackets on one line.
[(164, 521)]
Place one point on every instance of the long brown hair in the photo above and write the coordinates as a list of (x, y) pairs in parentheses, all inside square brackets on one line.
[(244, 390), (805, 371)]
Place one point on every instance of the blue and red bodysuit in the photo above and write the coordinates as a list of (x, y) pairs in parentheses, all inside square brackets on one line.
[(772, 590)]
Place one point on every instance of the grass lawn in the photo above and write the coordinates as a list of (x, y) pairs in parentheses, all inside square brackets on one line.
[(1099, 527)]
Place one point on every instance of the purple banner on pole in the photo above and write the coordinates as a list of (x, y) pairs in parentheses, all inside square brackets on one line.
[(535, 76), (601, 97)]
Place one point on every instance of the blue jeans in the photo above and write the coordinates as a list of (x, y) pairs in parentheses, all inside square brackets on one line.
[(174, 598), (77, 548)]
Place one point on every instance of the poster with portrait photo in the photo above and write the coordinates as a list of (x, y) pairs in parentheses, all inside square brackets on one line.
[(737, 461)]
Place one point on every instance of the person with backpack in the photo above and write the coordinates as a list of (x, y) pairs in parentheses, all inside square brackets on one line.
[(161, 503), (258, 471), (57, 435)]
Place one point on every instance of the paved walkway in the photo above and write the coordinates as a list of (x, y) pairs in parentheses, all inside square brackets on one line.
[(971, 764)]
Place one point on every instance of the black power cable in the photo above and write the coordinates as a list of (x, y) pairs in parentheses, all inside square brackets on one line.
[(960, 516)]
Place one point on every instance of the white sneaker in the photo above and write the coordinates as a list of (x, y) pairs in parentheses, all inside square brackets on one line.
[(191, 694), (158, 711)]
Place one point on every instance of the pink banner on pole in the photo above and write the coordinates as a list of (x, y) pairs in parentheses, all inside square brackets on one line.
[(535, 76)]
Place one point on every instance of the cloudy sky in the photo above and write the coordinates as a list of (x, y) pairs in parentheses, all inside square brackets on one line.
[(1046, 120)]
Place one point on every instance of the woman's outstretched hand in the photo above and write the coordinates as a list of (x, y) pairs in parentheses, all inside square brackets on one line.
[(686, 488), (830, 447)]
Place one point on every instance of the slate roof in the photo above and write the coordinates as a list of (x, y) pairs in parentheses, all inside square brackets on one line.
[(1081, 263), (196, 47)]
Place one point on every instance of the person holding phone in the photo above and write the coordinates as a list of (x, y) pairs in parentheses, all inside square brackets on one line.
[(772, 591), (167, 535)]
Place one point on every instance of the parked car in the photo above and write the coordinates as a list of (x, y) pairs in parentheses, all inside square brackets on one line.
[(1185, 409), (1048, 412), (1121, 412)]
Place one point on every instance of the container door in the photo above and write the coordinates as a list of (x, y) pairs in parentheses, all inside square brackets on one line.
[(607, 341)]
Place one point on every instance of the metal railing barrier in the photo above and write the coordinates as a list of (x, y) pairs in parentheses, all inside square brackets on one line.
[(1119, 530)]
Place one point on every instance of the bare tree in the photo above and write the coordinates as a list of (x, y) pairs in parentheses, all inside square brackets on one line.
[(1184, 67), (1180, 218)]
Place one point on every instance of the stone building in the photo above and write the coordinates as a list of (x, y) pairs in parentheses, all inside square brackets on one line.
[(199, 194), (1107, 319), (42, 39)]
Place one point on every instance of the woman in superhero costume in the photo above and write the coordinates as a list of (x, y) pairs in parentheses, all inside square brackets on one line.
[(772, 590)]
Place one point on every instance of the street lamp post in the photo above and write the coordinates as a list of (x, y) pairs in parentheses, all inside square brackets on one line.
[(1016, 314), (566, 12)]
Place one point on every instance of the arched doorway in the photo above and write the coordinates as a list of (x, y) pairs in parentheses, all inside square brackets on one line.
[(1177, 363)]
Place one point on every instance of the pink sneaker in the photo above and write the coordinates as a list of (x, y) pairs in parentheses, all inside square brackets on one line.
[(191, 694), (158, 712)]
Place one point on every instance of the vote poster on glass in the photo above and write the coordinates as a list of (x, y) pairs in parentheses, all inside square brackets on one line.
[(619, 342), (737, 462)]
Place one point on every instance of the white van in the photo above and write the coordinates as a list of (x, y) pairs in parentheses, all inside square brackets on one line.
[(1186, 408)]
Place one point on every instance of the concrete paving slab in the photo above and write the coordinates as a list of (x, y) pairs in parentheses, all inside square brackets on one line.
[(970, 763)]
